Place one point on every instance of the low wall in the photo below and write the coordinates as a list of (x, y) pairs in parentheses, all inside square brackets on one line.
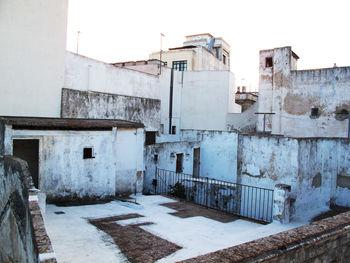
[(98, 105), (16, 232), (327, 240)]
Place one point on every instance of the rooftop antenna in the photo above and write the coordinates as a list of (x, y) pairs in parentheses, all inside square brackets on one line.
[(78, 33), (160, 53)]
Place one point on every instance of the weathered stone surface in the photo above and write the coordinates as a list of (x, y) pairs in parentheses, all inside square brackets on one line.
[(16, 233), (87, 104), (327, 240)]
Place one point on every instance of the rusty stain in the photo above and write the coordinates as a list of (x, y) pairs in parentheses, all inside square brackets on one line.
[(297, 105)]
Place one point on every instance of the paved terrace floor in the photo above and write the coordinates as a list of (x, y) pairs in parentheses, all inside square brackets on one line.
[(156, 229)]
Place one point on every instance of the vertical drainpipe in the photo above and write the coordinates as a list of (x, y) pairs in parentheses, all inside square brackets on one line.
[(171, 99)]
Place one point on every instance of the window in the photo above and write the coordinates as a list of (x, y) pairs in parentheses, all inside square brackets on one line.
[(155, 158), (179, 161), (268, 62), (315, 113), (173, 130), (165, 64), (224, 59), (150, 137), (180, 65), (88, 153), (342, 114)]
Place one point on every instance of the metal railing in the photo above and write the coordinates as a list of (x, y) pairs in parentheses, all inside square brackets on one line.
[(244, 200)]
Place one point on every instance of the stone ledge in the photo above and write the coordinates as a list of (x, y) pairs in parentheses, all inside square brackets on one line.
[(43, 242), (268, 248)]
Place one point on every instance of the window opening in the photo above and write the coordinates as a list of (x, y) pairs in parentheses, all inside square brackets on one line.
[(268, 62), (173, 130), (224, 59), (180, 65), (88, 153), (179, 162), (342, 114), (150, 137), (315, 113)]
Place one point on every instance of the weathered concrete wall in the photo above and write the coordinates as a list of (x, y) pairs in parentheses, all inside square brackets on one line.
[(16, 233), (292, 95), (218, 152), (312, 167), (166, 159), (317, 169), (32, 56), (327, 240), (86, 74), (245, 121), (97, 105), (65, 175)]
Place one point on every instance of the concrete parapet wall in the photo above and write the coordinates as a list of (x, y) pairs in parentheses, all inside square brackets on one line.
[(327, 240)]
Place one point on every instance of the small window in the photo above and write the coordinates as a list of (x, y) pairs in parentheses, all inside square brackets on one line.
[(315, 113), (180, 65), (224, 59), (88, 153), (150, 137), (173, 130), (179, 162), (268, 62), (155, 158), (342, 114), (165, 64)]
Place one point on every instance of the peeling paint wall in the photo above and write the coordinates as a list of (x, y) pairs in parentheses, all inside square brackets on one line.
[(292, 95), (97, 105), (64, 174), (16, 231), (310, 166), (317, 169)]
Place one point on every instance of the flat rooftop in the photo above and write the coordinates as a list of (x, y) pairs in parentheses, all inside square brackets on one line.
[(38, 123), (146, 229)]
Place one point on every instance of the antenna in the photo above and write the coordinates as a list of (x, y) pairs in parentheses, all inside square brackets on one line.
[(78, 33)]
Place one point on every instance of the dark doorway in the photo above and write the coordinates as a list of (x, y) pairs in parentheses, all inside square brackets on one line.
[(150, 137), (179, 162), (28, 150), (196, 161)]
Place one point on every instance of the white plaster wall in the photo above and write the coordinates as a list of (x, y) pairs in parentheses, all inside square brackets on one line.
[(206, 100), (129, 161), (116, 169), (62, 170), (208, 61), (86, 74), (32, 56), (219, 155), (167, 159)]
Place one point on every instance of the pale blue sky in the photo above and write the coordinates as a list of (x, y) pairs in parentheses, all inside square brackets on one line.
[(116, 30)]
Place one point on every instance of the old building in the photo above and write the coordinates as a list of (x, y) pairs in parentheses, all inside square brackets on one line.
[(199, 52), (75, 159), (302, 103)]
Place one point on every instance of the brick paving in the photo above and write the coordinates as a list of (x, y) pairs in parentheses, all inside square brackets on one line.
[(137, 245), (186, 209)]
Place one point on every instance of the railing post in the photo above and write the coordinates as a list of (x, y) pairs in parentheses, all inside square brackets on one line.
[(281, 203), (207, 192)]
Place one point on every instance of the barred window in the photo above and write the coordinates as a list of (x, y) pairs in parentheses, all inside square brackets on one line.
[(180, 65)]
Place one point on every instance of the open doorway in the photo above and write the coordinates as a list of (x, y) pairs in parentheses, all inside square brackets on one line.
[(196, 162), (28, 150)]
